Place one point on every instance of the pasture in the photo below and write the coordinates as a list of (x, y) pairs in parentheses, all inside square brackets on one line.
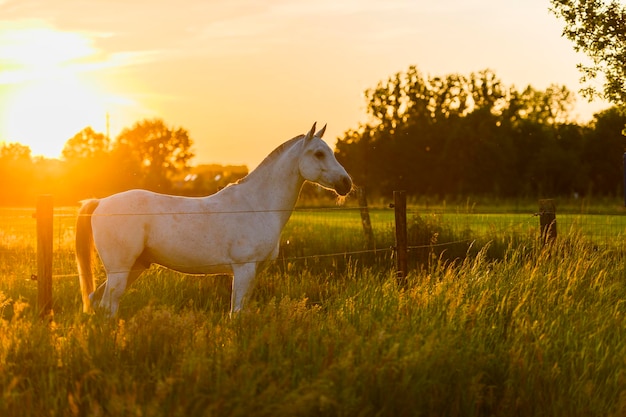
[(512, 329)]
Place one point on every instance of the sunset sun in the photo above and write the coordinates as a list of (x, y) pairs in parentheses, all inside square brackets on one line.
[(45, 114), (48, 98)]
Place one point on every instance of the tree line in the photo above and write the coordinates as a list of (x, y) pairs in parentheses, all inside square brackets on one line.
[(150, 155), (436, 136), (472, 135)]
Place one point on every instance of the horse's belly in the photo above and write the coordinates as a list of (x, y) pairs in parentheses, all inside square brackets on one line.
[(183, 262)]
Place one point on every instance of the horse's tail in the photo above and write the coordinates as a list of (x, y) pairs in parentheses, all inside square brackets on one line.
[(84, 251)]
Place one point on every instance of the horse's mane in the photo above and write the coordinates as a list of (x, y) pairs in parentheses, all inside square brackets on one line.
[(273, 155)]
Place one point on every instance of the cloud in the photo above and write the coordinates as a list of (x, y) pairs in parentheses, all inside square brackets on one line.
[(32, 50), (41, 45)]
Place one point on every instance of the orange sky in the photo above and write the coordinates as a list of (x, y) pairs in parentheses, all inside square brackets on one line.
[(242, 76)]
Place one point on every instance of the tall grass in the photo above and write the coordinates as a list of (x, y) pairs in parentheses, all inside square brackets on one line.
[(538, 331)]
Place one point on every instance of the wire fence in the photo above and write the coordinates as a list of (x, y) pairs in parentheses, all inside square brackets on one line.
[(314, 234)]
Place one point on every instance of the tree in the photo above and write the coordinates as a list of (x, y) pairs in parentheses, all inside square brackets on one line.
[(86, 144), (16, 174), (604, 152), (598, 29), (15, 152), (88, 165), (151, 153), (550, 107)]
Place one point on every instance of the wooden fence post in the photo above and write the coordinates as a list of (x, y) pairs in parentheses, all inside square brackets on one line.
[(44, 254), (547, 220), (365, 218), (399, 205), (624, 171)]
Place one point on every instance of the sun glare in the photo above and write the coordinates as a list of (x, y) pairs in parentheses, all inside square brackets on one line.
[(46, 96), (45, 114)]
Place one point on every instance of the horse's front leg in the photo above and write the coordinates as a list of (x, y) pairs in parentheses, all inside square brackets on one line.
[(243, 280)]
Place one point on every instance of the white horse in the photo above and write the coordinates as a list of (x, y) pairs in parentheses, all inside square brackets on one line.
[(230, 232)]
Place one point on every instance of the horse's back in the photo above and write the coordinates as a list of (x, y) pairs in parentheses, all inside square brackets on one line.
[(134, 213), (139, 202)]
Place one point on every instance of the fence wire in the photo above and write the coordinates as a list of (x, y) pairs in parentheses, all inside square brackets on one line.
[(316, 233)]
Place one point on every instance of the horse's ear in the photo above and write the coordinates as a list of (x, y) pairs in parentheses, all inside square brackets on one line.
[(321, 132), (311, 133)]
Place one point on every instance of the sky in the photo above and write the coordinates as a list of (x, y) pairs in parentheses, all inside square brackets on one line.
[(243, 76)]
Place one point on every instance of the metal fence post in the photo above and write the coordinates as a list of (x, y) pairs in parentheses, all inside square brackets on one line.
[(44, 254), (365, 218)]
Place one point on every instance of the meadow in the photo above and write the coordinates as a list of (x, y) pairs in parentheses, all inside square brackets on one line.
[(494, 324)]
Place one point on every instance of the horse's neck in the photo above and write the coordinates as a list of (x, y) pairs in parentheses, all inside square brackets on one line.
[(276, 186)]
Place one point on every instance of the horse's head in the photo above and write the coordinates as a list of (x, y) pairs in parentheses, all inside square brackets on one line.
[(319, 165)]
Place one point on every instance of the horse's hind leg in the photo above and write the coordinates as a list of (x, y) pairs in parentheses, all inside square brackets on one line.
[(96, 296), (115, 286)]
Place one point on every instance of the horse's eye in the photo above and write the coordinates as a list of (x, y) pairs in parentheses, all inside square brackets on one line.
[(319, 154)]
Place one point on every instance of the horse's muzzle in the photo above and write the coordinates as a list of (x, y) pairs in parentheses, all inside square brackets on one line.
[(343, 186)]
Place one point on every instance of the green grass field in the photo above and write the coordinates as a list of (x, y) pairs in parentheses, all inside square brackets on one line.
[(514, 329)]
